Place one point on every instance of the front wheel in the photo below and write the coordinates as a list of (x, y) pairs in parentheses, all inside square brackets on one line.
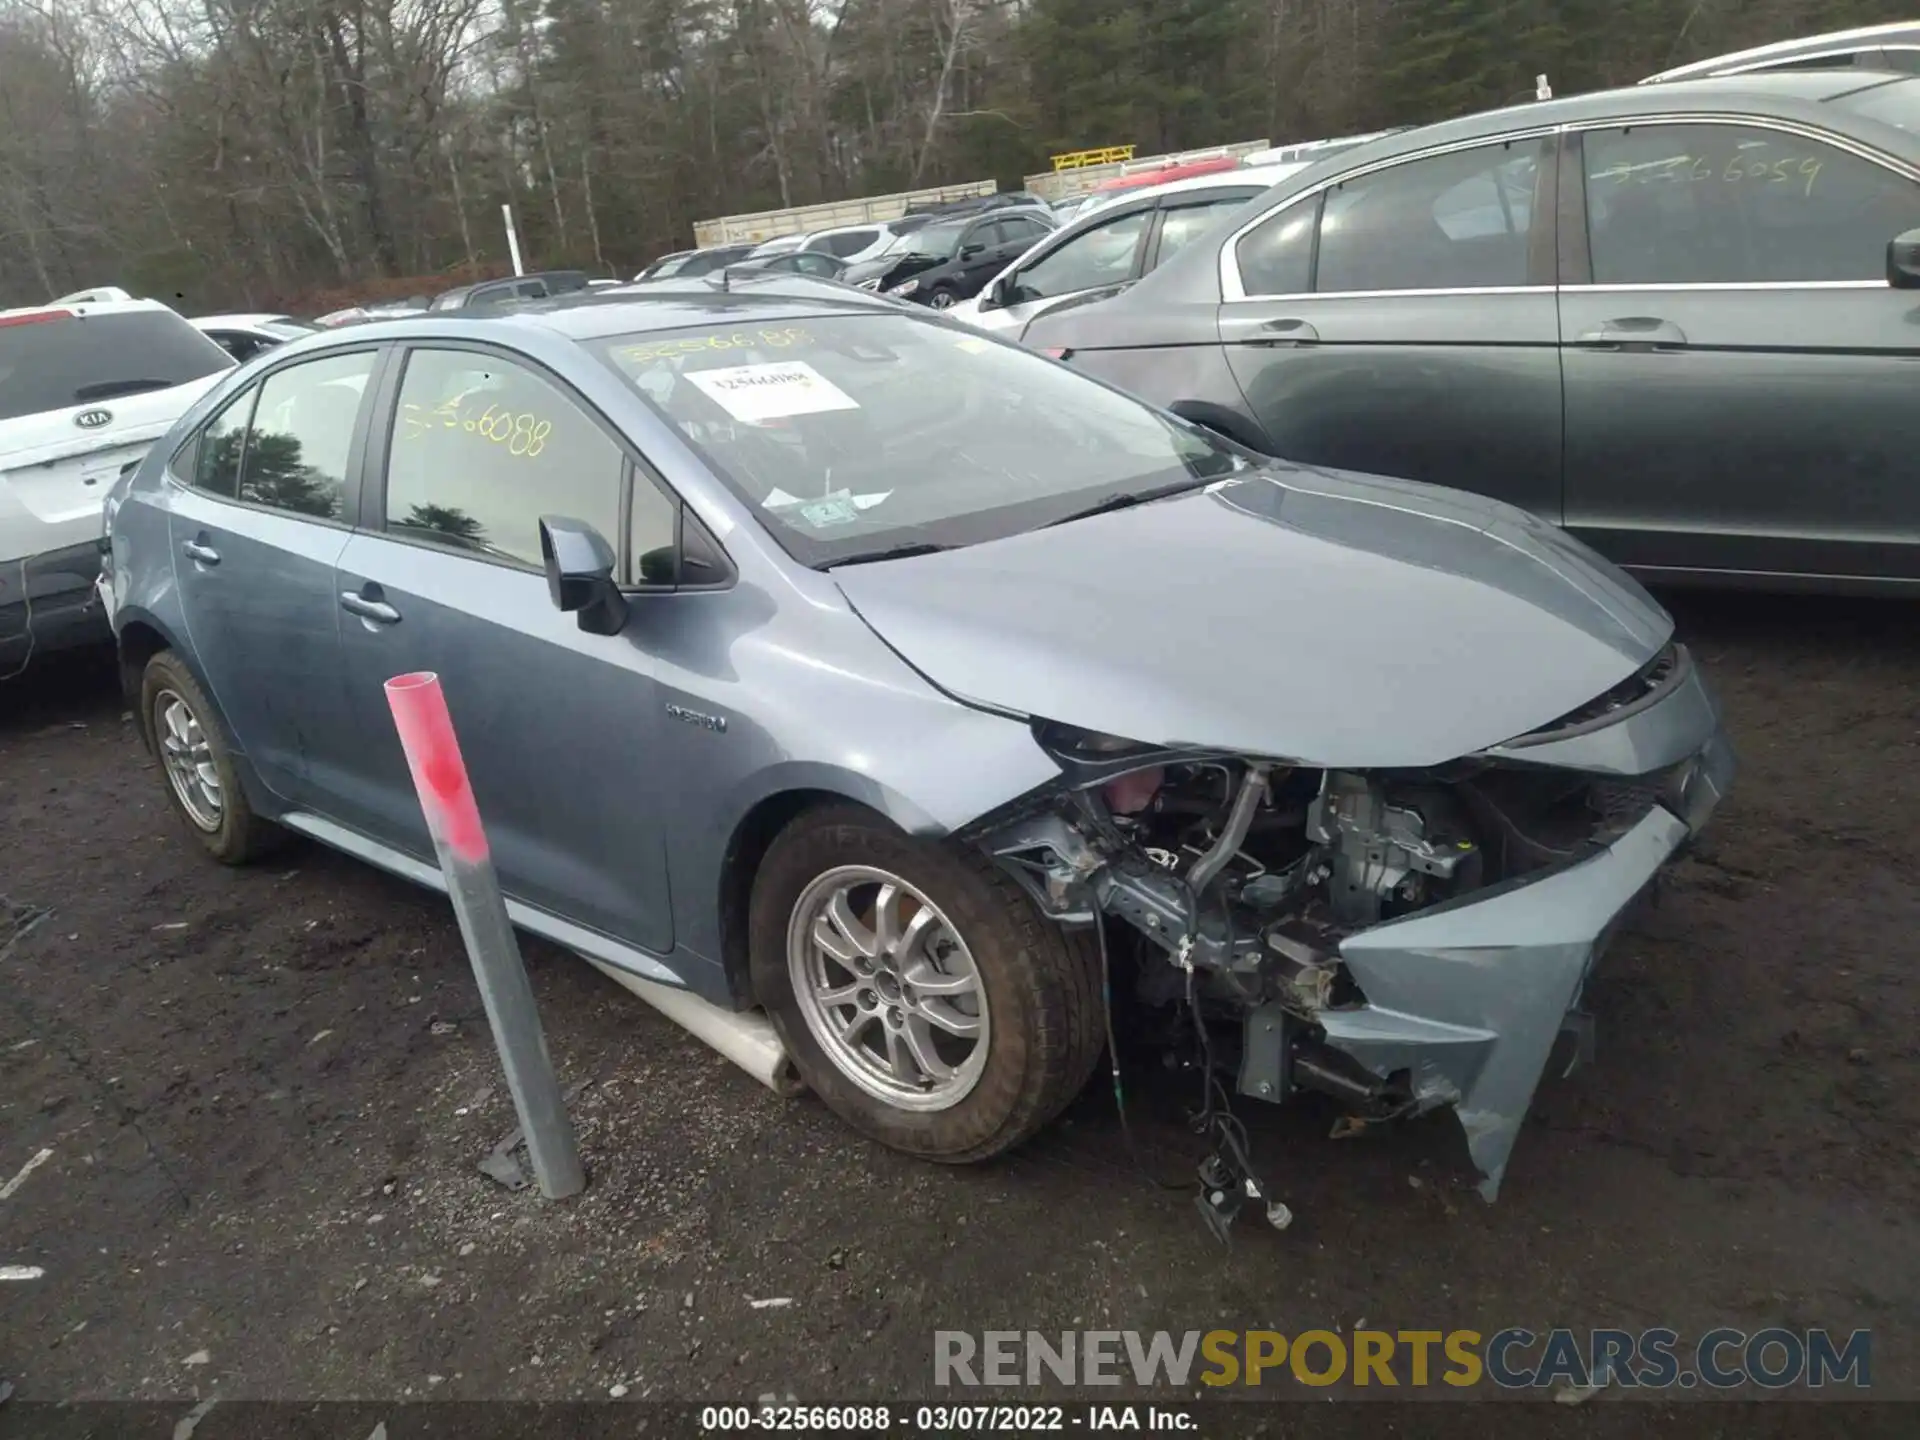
[(942, 299), (919, 992)]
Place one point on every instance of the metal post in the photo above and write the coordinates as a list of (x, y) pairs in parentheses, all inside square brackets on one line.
[(440, 776), (513, 238)]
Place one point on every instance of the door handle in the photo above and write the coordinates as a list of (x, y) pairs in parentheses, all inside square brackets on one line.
[(200, 553), (1635, 332), (376, 610), (1284, 332)]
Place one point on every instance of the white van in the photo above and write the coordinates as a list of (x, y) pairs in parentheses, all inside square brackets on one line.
[(86, 387)]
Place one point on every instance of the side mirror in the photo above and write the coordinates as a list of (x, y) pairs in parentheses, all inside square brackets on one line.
[(972, 250), (1903, 261), (579, 564), (994, 296)]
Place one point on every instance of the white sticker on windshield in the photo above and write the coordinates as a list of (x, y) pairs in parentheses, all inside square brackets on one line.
[(754, 393), (778, 499)]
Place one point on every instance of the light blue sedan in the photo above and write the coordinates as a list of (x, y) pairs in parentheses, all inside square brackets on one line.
[(814, 653)]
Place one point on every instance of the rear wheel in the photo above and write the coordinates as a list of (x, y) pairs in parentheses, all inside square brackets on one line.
[(917, 989), (196, 764)]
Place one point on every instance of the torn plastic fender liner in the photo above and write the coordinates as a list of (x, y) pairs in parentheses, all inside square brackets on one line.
[(1469, 998)]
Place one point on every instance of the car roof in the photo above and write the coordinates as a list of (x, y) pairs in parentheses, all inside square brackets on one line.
[(262, 317), (1783, 51), (986, 212), (1258, 176), (468, 289), (1785, 95), (91, 307), (751, 297), (858, 225)]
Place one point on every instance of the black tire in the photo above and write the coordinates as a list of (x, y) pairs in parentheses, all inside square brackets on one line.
[(941, 298), (239, 835), (1042, 986)]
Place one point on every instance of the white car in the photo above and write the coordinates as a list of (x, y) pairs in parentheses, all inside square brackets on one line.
[(851, 243), (85, 389), (245, 336), (1111, 244), (854, 243), (779, 245)]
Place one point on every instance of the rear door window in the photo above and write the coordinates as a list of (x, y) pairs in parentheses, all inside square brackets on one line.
[(302, 434), (1458, 221), (84, 359), (1022, 229)]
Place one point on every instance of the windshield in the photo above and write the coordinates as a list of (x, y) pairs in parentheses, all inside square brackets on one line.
[(76, 359), (1894, 104), (858, 434), (937, 242)]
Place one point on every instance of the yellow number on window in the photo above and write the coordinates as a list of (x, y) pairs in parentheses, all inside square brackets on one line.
[(537, 437), (522, 435)]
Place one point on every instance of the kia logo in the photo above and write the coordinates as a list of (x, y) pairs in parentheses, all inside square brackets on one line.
[(93, 419)]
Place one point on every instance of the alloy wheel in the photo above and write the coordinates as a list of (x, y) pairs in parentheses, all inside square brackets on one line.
[(187, 753), (888, 988)]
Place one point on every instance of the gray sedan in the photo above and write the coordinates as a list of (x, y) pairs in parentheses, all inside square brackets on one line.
[(1681, 319), (813, 653)]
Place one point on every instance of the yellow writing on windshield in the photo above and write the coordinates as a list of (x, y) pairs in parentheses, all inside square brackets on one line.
[(682, 346), (522, 434)]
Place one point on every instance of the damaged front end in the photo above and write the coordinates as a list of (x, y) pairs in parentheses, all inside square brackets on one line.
[(1398, 939)]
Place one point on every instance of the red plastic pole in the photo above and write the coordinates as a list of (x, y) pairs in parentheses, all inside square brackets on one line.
[(440, 777)]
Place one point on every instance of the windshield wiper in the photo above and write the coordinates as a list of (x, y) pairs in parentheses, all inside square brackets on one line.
[(896, 552), (1126, 500), (107, 389)]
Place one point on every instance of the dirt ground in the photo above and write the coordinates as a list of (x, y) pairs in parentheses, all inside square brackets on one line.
[(265, 1092)]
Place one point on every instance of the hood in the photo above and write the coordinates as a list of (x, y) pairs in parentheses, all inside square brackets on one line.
[(1319, 616)]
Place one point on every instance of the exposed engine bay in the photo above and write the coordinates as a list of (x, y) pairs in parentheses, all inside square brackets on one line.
[(1261, 906)]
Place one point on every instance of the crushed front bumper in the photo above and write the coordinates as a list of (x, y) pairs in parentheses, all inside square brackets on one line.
[(1465, 1000)]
